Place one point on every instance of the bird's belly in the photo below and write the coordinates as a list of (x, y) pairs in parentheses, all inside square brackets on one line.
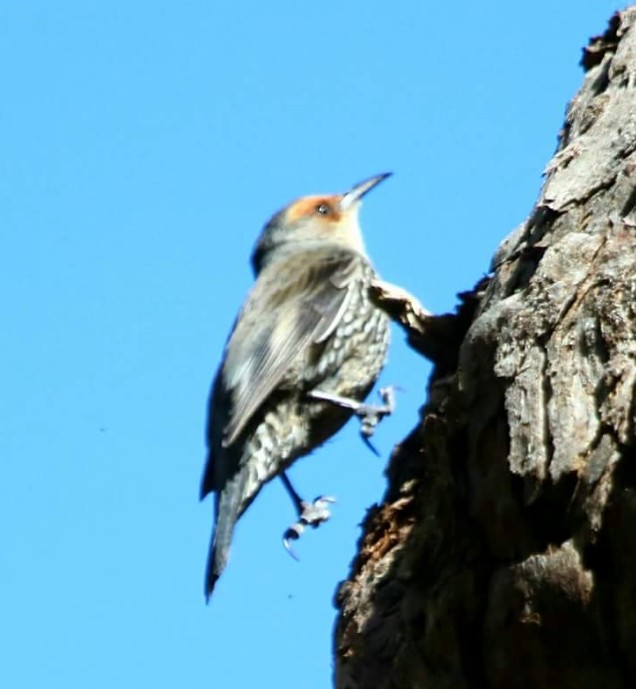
[(352, 358), (293, 424)]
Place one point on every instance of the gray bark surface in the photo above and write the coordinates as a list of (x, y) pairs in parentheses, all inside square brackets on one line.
[(504, 552)]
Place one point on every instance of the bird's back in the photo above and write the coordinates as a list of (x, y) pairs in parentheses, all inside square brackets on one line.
[(287, 424)]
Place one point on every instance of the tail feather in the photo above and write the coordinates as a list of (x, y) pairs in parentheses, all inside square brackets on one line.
[(229, 506)]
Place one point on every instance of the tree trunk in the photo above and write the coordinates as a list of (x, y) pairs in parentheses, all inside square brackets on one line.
[(504, 553)]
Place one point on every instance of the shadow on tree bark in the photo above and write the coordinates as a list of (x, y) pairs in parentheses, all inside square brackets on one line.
[(502, 555)]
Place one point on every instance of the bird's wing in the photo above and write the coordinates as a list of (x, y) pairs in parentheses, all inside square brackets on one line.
[(289, 309)]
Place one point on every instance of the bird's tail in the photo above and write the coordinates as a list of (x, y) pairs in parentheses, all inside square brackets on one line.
[(229, 506)]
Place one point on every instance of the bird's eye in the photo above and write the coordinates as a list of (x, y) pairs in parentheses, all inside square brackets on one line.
[(323, 209)]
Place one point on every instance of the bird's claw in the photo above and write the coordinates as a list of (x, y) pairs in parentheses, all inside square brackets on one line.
[(312, 514), (370, 415), (367, 441)]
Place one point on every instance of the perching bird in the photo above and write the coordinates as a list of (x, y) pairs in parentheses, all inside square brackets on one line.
[(307, 331)]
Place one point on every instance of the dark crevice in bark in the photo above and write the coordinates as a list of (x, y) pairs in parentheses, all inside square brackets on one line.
[(546, 388), (549, 515), (630, 204)]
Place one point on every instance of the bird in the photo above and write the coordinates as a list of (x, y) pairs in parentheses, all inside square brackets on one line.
[(305, 350)]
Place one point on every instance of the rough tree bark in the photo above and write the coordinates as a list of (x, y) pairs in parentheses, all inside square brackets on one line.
[(504, 553)]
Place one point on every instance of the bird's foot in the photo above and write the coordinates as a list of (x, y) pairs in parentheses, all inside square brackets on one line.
[(310, 514), (370, 415)]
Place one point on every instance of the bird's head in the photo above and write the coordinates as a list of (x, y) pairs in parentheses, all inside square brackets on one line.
[(313, 221)]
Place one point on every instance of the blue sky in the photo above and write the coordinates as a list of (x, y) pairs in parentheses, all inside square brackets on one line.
[(142, 147)]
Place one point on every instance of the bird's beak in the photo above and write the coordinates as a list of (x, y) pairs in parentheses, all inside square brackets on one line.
[(354, 195)]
